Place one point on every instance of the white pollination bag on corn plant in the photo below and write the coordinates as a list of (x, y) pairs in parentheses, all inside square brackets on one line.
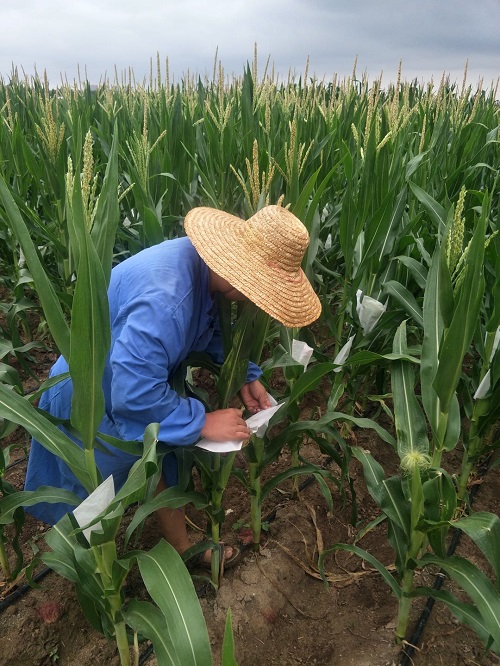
[(301, 352), (369, 311), (258, 424), (95, 504), (343, 354)]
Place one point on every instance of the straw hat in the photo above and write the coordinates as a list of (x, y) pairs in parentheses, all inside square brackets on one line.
[(260, 257)]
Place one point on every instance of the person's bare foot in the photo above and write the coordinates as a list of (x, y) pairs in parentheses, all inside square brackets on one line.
[(229, 552)]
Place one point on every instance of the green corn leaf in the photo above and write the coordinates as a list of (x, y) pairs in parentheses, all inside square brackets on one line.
[(228, 656), (90, 330), (107, 214), (366, 357), (224, 307), (325, 488), (373, 472), (445, 295), (405, 299), (418, 271), (436, 212), (440, 502), (148, 621), (365, 555), (413, 164), (48, 494), (110, 523), (93, 613), (309, 380), (17, 409), (380, 230), (459, 335), (260, 325), (299, 208), (494, 320), (63, 566), (247, 100), (323, 424), (169, 584), (468, 614), (288, 474), (48, 298), (350, 226), (234, 370), (311, 219), (433, 332), (9, 375), (6, 348), (281, 358), (409, 420), (395, 505), (475, 583), (484, 529), (453, 425), (153, 232), (172, 498), (90, 583), (400, 542), (370, 526), (134, 488)]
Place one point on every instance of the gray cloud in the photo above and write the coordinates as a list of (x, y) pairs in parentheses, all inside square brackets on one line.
[(429, 37)]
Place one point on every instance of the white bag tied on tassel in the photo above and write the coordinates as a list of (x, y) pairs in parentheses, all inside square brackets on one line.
[(301, 352), (343, 354), (258, 424), (93, 505), (369, 311), (485, 385)]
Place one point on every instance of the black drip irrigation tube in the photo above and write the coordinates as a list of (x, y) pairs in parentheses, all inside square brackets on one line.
[(5, 603), (409, 649), (16, 462)]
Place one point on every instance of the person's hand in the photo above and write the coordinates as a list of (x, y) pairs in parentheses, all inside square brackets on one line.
[(224, 425), (254, 397)]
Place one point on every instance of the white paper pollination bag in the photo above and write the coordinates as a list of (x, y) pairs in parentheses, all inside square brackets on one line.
[(93, 505), (257, 423)]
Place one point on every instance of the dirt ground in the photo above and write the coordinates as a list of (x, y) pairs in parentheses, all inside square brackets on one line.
[(282, 613)]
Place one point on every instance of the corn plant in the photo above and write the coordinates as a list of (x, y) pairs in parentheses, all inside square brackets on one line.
[(480, 613), (7, 489), (242, 338), (92, 562), (376, 175), (98, 572), (479, 393), (260, 452), (420, 505), (421, 495), (242, 342)]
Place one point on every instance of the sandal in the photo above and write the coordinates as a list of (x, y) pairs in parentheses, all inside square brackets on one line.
[(198, 561)]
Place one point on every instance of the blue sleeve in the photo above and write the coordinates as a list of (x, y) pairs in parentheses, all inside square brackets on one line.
[(214, 348), (149, 345), (253, 372)]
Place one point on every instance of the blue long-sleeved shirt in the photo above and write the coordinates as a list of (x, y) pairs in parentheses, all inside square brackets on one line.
[(161, 310)]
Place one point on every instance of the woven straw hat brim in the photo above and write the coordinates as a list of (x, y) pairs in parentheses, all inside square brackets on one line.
[(221, 241)]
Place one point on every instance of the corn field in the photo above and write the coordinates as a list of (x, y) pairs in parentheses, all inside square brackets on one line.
[(398, 187)]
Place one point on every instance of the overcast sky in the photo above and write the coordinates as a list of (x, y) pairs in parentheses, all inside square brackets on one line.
[(429, 36)]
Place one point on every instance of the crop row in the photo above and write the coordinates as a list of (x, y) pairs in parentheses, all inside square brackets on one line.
[(399, 190)]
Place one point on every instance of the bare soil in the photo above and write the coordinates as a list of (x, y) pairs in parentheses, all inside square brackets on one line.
[(282, 612)]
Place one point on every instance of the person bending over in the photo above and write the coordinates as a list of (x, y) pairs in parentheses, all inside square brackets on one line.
[(163, 306)]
